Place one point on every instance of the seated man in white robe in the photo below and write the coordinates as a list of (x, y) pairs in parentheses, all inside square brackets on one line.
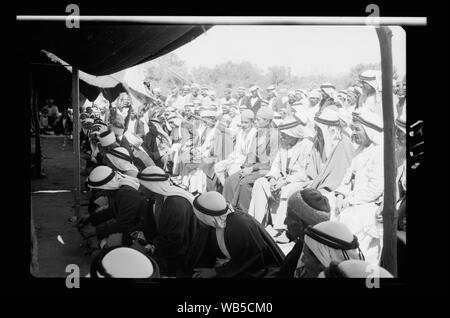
[(203, 153), (242, 148), (371, 91), (359, 195), (286, 176)]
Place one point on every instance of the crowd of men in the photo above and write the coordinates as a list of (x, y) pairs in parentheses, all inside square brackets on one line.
[(190, 185)]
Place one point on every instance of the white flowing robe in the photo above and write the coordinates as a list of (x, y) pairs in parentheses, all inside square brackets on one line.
[(363, 186)]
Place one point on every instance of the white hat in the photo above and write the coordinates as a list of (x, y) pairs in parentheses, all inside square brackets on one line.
[(247, 114), (126, 262), (270, 88), (293, 127), (315, 94), (133, 139), (373, 125), (371, 77), (328, 117), (327, 85), (253, 88), (107, 138), (211, 203), (100, 177), (265, 113), (332, 241), (362, 269)]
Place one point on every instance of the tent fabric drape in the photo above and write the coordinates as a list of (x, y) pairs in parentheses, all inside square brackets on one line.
[(105, 49)]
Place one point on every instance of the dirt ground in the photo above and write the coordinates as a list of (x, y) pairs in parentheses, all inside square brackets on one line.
[(53, 210)]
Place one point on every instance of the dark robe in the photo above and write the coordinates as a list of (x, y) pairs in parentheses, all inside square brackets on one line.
[(150, 145), (125, 214), (84, 142), (289, 265), (238, 190), (255, 107), (252, 250), (327, 173), (177, 225), (243, 101)]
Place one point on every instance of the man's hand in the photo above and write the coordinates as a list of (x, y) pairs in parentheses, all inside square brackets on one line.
[(83, 219), (280, 183), (341, 204), (246, 171), (88, 231), (204, 273), (273, 184)]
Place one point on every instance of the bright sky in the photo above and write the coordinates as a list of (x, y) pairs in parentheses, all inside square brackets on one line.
[(330, 50)]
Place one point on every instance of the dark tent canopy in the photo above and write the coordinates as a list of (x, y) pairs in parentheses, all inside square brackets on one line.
[(95, 48), (100, 49)]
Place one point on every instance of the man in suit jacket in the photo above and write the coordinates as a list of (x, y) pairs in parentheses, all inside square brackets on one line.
[(242, 99), (238, 186), (254, 102), (275, 102)]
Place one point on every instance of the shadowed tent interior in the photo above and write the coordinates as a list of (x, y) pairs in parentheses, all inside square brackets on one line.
[(95, 49), (105, 49)]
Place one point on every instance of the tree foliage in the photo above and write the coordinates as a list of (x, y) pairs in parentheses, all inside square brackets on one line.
[(169, 71)]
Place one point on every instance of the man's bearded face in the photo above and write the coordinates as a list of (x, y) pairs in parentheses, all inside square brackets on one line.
[(262, 123), (351, 99), (246, 123), (367, 88), (287, 142), (359, 135), (313, 101)]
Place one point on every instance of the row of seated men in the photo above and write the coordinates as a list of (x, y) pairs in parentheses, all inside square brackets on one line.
[(132, 196)]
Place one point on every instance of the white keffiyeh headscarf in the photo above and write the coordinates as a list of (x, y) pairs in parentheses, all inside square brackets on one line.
[(328, 121), (331, 241), (103, 177), (157, 181), (373, 125), (121, 160)]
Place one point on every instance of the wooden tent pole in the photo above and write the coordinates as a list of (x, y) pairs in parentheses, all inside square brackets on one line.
[(389, 255), (37, 140), (76, 138)]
